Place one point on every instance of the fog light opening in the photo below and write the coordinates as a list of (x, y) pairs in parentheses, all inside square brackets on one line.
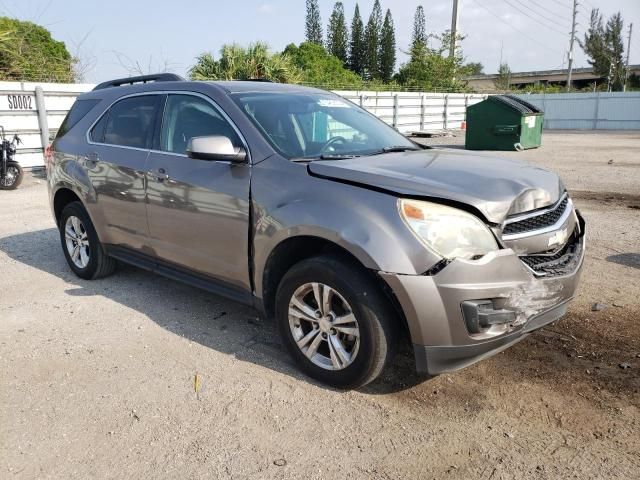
[(484, 319)]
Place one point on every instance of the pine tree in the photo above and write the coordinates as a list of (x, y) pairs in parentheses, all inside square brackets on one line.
[(604, 46), (337, 34), (372, 42), (419, 36), (356, 46), (313, 23), (615, 44), (387, 52), (504, 77)]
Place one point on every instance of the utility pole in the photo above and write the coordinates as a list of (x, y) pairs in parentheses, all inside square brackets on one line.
[(626, 64), (454, 29), (571, 41)]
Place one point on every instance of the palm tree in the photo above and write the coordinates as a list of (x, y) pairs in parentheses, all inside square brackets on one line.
[(253, 62)]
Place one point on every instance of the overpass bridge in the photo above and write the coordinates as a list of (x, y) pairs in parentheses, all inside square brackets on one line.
[(580, 78)]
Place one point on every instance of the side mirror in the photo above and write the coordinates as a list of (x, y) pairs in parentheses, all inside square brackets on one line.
[(215, 148)]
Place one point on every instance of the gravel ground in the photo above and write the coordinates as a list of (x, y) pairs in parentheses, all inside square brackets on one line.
[(97, 379)]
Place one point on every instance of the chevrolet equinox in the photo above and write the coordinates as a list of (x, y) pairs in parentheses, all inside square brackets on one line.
[(303, 205)]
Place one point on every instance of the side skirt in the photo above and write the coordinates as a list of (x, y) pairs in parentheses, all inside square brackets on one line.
[(181, 274)]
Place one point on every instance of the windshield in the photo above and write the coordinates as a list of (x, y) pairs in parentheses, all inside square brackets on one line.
[(316, 125)]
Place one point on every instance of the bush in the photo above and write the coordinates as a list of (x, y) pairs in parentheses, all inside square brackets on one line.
[(28, 53)]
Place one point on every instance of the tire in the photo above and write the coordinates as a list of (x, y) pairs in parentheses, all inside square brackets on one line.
[(91, 262), (13, 182), (353, 290)]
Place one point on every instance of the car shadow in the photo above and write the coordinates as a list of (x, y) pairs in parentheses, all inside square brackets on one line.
[(626, 259), (195, 314)]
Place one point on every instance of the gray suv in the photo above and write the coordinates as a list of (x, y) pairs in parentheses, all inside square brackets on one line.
[(303, 205)]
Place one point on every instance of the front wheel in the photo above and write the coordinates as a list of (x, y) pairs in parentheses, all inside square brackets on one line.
[(13, 178), (335, 322)]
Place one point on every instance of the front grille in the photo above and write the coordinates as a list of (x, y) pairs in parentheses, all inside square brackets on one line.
[(538, 222), (560, 263)]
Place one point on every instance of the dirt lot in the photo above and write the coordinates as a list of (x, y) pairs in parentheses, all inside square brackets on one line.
[(97, 378)]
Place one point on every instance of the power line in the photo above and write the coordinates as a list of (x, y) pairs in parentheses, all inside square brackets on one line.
[(545, 9), (561, 4), (534, 19), (533, 39)]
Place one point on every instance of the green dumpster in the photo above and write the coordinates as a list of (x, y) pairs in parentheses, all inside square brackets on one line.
[(503, 122)]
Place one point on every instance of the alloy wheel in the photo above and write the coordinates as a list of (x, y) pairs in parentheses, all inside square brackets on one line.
[(77, 241), (324, 326)]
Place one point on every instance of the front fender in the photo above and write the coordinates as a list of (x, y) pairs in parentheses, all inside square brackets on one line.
[(287, 203)]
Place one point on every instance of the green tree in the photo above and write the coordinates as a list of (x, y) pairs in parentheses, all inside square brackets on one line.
[(604, 46), (615, 47), (313, 24), (29, 53), (419, 35), (472, 68), (594, 45), (356, 46), (372, 42), (320, 68), (337, 34), (431, 68), (504, 77), (253, 62), (387, 52)]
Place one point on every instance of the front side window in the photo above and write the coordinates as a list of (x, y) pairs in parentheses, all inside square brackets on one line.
[(313, 125), (188, 116), (129, 123)]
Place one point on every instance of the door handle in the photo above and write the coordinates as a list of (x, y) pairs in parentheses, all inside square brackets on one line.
[(159, 175)]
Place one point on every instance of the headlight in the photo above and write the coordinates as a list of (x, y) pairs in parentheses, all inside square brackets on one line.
[(447, 231)]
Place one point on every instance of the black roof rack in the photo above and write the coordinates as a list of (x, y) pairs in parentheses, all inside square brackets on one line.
[(158, 77)]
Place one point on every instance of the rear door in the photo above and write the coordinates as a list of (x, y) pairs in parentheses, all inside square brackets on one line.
[(198, 210), (120, 142)]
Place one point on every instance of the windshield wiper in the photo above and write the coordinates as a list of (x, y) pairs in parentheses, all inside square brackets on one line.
[(325, 156), (396, 148), (337, 156)]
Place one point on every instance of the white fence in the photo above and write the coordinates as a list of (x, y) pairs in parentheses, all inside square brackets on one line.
[(414, 111), (19, 107), (35, 111), (589, 111)]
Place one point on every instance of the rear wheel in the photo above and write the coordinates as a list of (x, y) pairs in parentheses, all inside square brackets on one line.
[(335, 322), (82, 249), (13, 178)]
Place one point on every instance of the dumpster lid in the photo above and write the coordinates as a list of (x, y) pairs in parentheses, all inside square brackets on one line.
[(516, 103)]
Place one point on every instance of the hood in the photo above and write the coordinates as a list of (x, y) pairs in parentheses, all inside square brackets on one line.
[(495, 187)]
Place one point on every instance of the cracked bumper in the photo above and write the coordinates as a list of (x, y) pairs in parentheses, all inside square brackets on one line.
[(432, 306)]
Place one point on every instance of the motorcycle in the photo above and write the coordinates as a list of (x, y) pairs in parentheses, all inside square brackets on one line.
[(10, 171)]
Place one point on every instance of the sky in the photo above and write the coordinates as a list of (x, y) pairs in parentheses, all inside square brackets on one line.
[(110, 37)]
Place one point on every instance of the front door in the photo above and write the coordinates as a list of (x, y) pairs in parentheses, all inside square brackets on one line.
[(198, 210)]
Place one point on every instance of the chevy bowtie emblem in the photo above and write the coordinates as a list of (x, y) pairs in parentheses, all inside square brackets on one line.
[(559, 237)]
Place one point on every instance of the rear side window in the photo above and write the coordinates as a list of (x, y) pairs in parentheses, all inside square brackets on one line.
[(129, 123), (97, 132), (79, 109)]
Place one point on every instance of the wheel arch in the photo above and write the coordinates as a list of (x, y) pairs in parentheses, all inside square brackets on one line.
[(63, 197), (293, 250)]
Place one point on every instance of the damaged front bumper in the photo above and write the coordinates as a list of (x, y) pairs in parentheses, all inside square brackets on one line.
[(471, 310)]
